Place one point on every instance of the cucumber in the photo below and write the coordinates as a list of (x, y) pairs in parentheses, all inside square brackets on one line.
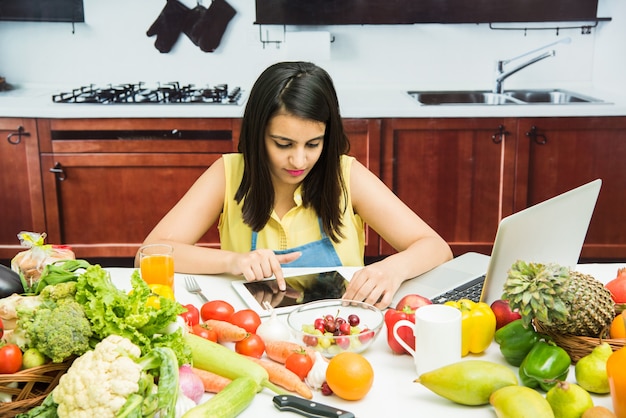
[(216, 358), (229, 402)]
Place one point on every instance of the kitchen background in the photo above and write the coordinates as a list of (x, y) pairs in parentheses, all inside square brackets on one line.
[(112, 47)]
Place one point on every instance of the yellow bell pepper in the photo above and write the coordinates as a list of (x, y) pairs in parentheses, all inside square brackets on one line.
[(478, 325)]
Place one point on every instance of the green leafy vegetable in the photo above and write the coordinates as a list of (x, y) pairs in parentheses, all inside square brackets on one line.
[(113, 311)]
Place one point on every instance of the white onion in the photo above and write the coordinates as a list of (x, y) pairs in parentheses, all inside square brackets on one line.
[(272, 328)]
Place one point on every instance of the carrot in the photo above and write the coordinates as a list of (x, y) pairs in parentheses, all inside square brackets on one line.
[(213, 383), (280, 350), (282, 376), (226, 332)]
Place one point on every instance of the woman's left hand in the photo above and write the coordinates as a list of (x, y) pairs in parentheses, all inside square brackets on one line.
[(372, 285)]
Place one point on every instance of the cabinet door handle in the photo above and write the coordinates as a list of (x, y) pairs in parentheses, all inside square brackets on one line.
[(20, 132), (539, 138), (58, 171), (499, 135)]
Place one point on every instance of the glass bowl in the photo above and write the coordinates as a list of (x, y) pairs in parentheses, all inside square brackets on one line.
[(355, 337)]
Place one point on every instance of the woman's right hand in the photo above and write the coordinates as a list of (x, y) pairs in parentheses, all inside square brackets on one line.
[(263, 263)]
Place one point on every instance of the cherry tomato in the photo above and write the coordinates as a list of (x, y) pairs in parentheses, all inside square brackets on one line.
[(201, 330), (192, 316), (216, 309), (300, 363), (10, 359), (252, 346), (246, 319)]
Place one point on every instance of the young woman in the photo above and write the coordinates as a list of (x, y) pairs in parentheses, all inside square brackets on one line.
[(293, 197)]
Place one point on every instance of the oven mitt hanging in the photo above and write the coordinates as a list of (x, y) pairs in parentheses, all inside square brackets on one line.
[(193, 25), (168, 26), (205, 27)]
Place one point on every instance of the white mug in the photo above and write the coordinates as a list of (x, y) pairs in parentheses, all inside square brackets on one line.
[(437, 331)]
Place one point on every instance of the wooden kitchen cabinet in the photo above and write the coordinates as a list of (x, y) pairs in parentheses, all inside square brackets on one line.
[(365, 143), (20, 183), (107, 182), (457, 174), (558, 154)]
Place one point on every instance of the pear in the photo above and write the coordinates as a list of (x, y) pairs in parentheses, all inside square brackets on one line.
[(568, 400), (520, 402), (590, 370), (468, 382)]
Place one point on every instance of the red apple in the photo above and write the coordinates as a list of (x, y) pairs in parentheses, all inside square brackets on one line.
[(412, 301), (503, 313)]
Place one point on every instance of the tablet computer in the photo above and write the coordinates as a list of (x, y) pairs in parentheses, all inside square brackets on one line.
[(300, 289)]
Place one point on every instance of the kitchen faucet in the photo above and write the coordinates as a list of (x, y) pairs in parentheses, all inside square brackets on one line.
[(502, 75)]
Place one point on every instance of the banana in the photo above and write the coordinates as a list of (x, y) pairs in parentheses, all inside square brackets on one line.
[(520, 402), (468, 382)]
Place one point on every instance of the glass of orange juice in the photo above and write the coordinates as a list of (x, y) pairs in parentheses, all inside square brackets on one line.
[(156, 263)]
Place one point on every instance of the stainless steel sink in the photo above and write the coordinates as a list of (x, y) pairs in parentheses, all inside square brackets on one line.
[(461, 98), (555, 96), (509, 97)]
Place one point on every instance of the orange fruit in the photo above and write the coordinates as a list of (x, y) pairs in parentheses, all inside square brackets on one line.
[(618, 327), (349, 375)]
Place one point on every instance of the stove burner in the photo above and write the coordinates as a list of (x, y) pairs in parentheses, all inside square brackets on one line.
[(163, 93)]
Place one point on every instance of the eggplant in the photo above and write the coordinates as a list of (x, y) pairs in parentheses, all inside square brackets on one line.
[(10, 282)]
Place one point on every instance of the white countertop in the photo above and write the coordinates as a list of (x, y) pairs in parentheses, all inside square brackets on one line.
[(355, 102), (393, 390)]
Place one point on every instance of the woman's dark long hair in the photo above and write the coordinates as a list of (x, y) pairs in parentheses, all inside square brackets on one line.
[(304, 90)]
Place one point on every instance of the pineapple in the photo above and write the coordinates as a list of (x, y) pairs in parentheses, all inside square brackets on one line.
[(563, 300)]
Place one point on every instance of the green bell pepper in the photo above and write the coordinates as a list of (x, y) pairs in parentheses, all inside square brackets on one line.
[(544, 365), (516, 341)]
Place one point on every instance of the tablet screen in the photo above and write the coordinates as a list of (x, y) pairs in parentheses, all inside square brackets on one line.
[(300, 289)]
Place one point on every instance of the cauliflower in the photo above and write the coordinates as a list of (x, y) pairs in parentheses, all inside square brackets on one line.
[(99, 382), (114, 381)]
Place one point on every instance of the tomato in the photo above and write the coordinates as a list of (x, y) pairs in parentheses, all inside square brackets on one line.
[(1, 328), (216, 309), (246, 319), (10, 359), (192, 316), (252, 346), (201, 330), (300, 363)]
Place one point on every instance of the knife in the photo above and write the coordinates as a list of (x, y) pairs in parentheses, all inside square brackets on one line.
[(309, 408)]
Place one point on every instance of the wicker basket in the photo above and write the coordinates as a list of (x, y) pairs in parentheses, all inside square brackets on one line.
[(576, 346), (33, 386)]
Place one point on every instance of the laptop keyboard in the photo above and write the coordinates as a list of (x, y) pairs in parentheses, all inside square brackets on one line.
[(470, 290)]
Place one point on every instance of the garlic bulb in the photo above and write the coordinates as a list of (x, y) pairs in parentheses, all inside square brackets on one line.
[(317, 374), (273, 329)]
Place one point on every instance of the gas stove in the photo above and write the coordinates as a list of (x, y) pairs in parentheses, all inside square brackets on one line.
[(139, 93)]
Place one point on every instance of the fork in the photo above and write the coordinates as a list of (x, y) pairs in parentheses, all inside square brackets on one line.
[(193, 287)]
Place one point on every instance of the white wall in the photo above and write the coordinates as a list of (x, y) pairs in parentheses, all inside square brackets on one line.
[(112, 47)]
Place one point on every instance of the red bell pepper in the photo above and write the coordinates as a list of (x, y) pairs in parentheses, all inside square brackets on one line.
[(391, 317)]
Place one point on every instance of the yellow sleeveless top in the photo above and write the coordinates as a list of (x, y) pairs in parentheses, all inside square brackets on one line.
[(299, 226)]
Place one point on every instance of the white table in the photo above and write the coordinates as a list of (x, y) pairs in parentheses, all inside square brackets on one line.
[(393, 389)]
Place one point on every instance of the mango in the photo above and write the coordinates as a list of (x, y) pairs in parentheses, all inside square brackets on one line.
[(468, 382), (520, 402)]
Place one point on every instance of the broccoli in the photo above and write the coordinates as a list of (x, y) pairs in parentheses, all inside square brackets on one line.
[(58, 327)]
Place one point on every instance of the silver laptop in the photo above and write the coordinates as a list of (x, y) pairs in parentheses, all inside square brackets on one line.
[(552, 231)]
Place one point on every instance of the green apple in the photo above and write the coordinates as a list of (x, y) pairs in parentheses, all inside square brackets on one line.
[(33, 358), (591, 370)]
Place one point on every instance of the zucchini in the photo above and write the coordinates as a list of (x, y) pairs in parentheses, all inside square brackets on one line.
[(216, 358), (228, 402)]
